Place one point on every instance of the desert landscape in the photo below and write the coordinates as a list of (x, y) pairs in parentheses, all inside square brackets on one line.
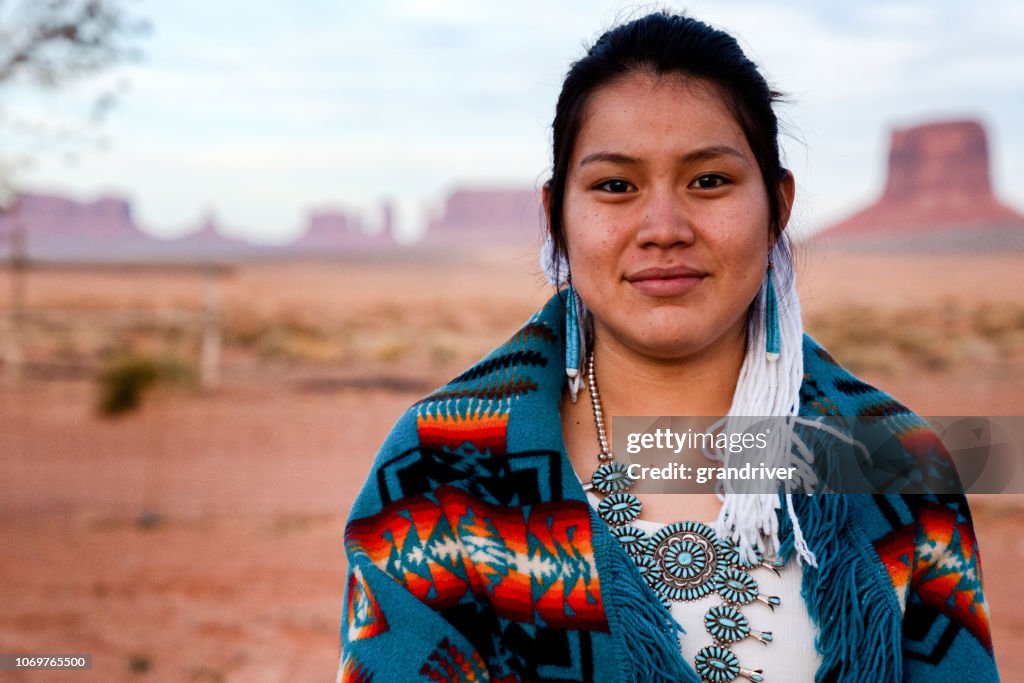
[(198, 536)]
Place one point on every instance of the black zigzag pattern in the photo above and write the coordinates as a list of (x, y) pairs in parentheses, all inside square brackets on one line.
[(487, 392), (853, 387), (534, 331), (515, 358), (888, 408)]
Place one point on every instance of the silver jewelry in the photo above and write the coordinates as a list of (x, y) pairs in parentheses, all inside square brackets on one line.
[(683, 561)]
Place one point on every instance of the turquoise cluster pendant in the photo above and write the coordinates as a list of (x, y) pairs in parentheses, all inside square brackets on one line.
[(683, 561), (686, 561)]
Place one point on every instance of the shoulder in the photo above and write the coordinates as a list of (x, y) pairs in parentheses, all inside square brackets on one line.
[(830, 389), (890, 430), (925, 540), (452, 436)]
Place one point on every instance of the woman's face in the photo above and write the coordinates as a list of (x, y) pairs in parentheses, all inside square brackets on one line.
[(665, 216)]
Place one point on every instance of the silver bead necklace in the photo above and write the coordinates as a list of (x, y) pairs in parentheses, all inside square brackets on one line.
[(683, 561)]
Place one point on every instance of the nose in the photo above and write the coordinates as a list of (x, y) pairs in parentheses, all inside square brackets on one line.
[(665, 221)]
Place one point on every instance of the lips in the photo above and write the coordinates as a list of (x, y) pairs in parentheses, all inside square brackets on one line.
[(661, 281)]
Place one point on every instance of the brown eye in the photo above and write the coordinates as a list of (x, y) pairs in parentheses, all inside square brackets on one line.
[(615, 186), (709, 181)]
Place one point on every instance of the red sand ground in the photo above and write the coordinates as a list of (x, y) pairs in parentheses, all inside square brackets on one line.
[(242, 578)]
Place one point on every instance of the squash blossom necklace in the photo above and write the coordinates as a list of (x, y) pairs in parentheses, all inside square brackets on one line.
[(683, 561)]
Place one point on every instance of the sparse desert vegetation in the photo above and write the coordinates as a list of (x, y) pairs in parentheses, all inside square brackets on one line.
[(934, 337)]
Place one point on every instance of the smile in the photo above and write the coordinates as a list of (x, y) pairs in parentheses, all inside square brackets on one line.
[(664, 282)]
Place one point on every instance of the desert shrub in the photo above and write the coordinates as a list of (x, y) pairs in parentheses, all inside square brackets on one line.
[(293, 343), (127, 376), (388, 347), (243, 327), (444, 349)]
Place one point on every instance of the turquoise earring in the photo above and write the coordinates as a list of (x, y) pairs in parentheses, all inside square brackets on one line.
[(572, 333), (771, 319)]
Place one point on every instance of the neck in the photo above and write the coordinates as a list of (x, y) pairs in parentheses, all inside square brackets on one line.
[(703, 383)]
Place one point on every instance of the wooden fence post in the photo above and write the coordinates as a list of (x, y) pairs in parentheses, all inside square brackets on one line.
[(13, 356), (209, 361)]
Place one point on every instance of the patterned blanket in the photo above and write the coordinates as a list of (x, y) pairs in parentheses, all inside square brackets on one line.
[(474, 555)]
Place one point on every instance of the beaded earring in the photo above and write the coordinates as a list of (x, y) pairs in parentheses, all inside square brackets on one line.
[(572, 334), (773, 335)]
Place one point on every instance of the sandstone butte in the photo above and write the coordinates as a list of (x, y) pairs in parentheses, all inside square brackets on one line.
[(938, 195), (488, 215)]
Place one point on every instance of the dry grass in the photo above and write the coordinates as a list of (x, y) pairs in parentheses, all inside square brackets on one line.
[(934, 338), (429, 328)]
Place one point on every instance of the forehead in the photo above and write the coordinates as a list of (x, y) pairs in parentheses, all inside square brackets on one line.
[(649, 115)]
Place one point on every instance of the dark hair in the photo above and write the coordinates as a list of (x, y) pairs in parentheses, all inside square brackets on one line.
[(663, 44)]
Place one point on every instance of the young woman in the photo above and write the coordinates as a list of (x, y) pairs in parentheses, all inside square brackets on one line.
[(496, 538)]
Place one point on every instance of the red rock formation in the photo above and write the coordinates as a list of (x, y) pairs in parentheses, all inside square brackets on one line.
[(63, 228), (50, 217), (339, 230), (938, 183), (488, 216), (208, 234)]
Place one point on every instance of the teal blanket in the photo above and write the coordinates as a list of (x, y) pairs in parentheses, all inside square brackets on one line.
[(474, 555)]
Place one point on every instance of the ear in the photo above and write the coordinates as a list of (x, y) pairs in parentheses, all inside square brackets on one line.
[(787, 190), (545, 198)]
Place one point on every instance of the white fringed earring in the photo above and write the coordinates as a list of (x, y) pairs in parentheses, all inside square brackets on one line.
[(770, 386)]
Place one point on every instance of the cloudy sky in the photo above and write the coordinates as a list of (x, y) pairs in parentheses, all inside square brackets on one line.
[(257, 111)]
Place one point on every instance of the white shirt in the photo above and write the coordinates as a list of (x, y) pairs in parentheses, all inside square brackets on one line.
[(790, 657)]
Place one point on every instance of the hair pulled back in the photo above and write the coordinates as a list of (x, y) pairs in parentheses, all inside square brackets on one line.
[(668, 44)]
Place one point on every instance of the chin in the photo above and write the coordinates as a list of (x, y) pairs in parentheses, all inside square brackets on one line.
[(671, 348)]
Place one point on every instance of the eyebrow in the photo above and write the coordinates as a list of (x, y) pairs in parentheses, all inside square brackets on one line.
[(702, 154)]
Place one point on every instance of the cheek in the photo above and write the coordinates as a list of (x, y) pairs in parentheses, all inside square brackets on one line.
[(592, 245), (740, 249), (590, 268), (744, 235), (744, 257), (750, 265)]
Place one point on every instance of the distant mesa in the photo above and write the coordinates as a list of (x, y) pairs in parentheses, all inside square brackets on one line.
[(209, 233), (337, 229), (938, 195), (56, 227), (484, 216), (207, 242), (47, 217)]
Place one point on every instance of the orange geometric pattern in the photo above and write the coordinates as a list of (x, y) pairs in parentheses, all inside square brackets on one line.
[(534, 564), (353, 672), (947, 571), (448, 664), (937, 558), (897, 553), (363, 615), (484, 430)]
